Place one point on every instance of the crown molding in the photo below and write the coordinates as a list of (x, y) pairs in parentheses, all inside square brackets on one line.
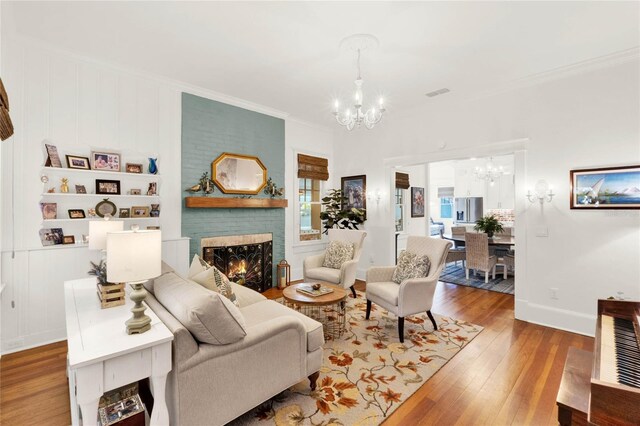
[(310, 124), (177, 84)]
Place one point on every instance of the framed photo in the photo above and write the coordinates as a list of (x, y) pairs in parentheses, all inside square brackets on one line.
[(49, 211), (124, 212), (605, 188), (106, 161), (53, 159), (107, 187), (68, 239), (417, 201), (105, 207), (133, 168), (75, 162), (153, 188), (140, 211), (153, 228), (92, 212), (135, 192), (76, 214), (51, 236), (80, 189), (354, 190)]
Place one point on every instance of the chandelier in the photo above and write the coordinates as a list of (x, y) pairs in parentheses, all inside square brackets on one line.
[(489, 173), (356, 117)]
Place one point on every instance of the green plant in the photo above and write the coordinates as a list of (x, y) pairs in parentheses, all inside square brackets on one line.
[(334, 217), (489, 225), (100, 271)]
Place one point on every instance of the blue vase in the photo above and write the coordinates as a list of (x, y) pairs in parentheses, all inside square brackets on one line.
[(153, 166)]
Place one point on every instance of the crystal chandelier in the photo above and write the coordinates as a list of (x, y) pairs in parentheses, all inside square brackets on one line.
[(357, 117), (490, 173)]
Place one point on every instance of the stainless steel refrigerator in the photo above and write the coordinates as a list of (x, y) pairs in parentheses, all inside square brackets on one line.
[(468, 209)]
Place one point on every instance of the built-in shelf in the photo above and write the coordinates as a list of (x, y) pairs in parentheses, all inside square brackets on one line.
[(87, 219), (66, 170), (234, 203), (74, 194)]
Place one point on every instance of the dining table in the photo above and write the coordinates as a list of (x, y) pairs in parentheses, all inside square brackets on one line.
[(496, 240)]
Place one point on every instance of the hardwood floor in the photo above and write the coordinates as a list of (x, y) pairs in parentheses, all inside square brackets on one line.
[(509, 374)]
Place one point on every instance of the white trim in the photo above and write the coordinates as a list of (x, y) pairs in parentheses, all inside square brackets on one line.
[(562, 319), (315, 126)]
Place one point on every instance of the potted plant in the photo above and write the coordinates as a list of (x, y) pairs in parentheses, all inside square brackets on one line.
[(100, 271), (334, 217), (489, 225)]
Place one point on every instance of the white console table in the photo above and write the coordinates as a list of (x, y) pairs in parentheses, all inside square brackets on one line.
[(102, 356)]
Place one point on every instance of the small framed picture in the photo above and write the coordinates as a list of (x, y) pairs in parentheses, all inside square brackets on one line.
[(68, 239), (53, 159), (153, 188), (153, 227), (417, 201), (80, 189), (124, 212), (134, 168), (76, 214), (49, 211), (139, 211), (75, 162), (107, 187), (92, 213), (51, 236), (106, 161), (135, 192)]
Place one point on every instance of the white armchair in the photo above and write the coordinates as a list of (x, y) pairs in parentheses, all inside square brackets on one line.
[(312, 268), (413, 295)]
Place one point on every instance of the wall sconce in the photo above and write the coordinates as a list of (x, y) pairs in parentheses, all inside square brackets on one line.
[(543, 192), (374, 195)]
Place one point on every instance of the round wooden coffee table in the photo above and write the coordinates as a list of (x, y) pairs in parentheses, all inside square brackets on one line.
[(328, 309)]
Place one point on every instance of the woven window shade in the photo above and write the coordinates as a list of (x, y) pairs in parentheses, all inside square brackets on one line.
[(6, 127), (445, 192), (402, 180), (313, 167)]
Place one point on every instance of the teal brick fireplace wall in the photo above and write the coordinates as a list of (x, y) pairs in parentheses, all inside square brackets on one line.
[(210, 128)]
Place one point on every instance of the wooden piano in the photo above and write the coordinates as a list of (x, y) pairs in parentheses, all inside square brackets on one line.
[(603, 387)]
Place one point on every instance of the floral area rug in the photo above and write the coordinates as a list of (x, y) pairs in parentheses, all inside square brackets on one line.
[(366, 373)]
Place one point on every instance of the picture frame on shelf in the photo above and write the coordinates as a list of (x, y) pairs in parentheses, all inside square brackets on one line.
[(80, 189), (153, 188), (153, 228), (605, 188), (354, 190), (76, 214), (107, 187), (68, 239), (49, 211), (76, 162), (140, 211), (105, 161), (92, 213), (53, 159), (135, 192), (51, 236), (417, 201), (133, 168), (124, 212), (106, 207)]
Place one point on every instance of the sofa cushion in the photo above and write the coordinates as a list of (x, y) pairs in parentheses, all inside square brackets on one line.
[(246, 296), (209, 316), (165, 268), (410, 265), (324, 274), (257, 313), (337, 253), (385, 290), (214, 280)]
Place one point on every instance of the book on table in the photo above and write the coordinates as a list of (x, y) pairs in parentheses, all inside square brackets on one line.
[(308, 290)]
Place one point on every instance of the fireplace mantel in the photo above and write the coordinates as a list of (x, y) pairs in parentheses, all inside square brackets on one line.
[(234, 203)]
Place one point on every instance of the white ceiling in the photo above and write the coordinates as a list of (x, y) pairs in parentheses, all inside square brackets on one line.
[(286, 55)]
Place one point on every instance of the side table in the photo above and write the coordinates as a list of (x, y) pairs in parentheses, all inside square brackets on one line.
[(102, 356), (328, 309)]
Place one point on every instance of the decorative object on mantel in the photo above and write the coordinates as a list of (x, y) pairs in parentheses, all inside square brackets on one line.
[(489, 225), (135, 257), (606, 188), (205, 184), (6, 126), (239, 173), (284, 274), (234, 203), (153, 166), (334, 216), (355, 118), (272, 189)]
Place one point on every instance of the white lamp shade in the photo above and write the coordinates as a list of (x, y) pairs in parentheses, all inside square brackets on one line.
[(133, 256), (98, 232)]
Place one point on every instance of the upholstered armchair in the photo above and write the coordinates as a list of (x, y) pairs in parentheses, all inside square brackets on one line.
[(313, 269), (412, 295)]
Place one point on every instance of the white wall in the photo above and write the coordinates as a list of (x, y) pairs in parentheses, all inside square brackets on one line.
[(588, 118), (441, 174)]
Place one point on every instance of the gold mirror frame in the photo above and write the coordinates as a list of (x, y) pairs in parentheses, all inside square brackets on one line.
[(215, 165)]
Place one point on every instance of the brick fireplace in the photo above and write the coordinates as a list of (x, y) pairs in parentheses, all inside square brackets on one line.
[(244, 259)]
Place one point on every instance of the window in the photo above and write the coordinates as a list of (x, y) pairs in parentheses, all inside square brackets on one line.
[(446, 208), (399, 209), (310, 208)]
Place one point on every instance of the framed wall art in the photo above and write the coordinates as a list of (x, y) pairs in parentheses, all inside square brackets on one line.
[(105, 161), (417, 201), (605, 188), (354, 190), (107, 187)]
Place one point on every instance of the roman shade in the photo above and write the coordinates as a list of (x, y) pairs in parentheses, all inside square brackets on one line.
[(445, 192), (402, 180), (6, 127), (310, 167)]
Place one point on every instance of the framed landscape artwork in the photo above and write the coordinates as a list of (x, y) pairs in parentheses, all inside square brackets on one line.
[(417, 201), (354, 190), (606, 188)]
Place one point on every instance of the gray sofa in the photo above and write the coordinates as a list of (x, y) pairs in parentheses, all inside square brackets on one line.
[(213, 384)]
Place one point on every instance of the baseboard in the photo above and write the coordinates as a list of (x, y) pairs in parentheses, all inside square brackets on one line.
[(32, 341), (562, 319)]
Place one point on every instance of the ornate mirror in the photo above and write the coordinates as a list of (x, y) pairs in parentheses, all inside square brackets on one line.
[(239, 174)]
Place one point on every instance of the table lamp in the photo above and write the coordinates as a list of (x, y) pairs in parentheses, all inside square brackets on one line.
[(134, 257), (98, 232)]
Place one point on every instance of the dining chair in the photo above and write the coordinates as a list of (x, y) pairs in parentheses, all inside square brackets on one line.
[(478, 257)]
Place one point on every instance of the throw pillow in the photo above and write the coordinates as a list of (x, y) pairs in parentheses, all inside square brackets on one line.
[(216, 281), (165, 270), (411, 265), (337, 253), (197, 265)]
